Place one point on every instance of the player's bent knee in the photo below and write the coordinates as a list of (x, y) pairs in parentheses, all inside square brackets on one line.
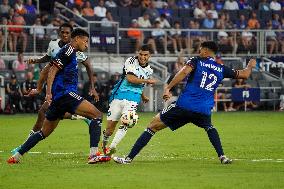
[(156, 124)]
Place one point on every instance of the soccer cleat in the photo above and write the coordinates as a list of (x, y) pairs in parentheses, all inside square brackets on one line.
[(99, 159), (109, 151), (15, 150), (92, 155), (12, 160), (225, 160), (119, 160)]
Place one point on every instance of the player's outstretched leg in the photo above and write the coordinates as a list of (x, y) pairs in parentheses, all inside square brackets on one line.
[(119, 135), (38, 124), (48, 128), (155, 126), (86, 109), (216, 142), (107, 134)]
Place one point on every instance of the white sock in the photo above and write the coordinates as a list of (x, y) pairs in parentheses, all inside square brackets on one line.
[(94, 150), (18, 156), (119, 135)]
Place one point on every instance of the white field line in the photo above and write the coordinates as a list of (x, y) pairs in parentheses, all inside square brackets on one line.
[(278, 160)]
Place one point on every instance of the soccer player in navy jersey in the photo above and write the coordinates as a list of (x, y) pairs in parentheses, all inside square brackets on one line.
[(54, 47), (62, 94), (195, 102)]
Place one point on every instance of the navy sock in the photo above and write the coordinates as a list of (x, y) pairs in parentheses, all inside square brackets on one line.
[(215, 140), (95, 132), (141, 142), (31, 142)]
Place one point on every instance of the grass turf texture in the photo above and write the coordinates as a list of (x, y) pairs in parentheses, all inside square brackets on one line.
[(180, 159)]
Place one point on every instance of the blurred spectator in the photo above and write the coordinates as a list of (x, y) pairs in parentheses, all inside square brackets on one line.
[(19, 64), (164, 23), (14, 93), (247, 39), (112, 82), (29, 103), (280, 36), (2, 64), (178, 64), (271, 39), (275, 21), (76, 11), (45, 19), (281, 105), (159, 37), (31, 9), (79, 3), (194, 38), (4, 7), (200, 10), (208, 22), (146, 3), (51, 32), (39, 35), (110, 3), (159, 4), (152, 11), (242, 22), (253, 22), (183, 4), (4, 21), (100, 10), (136, 34), (136, 3), (144, 21), (20, 8), (221, 22), (228, 24), (172, 4), (219, 4), (231, 5), (225, 42), (18, 33), (176, 37), (125, 3), (212, 11), (165, 10), (243, 4), (275, 5), (87, 9), (107, 21), (264, 6)]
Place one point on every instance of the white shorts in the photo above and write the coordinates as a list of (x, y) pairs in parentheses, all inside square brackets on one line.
[(118, 107)]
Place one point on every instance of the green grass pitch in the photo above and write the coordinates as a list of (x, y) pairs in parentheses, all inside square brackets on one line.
[(180, 159)]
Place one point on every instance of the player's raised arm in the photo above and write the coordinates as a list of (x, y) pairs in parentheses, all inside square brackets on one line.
[(45, 58), (135, 80), (245, 73)]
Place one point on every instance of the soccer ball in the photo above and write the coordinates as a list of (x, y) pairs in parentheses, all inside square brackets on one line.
[(129, 119)]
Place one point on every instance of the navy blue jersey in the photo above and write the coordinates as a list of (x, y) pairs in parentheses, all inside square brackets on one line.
[(66, 79), (206, 75)]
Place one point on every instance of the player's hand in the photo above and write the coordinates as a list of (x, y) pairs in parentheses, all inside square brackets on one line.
[(252, 63), (94, 94), (167, 94), (32, 92), (151, 81), (145, 99), (31, 61), (48, 98)]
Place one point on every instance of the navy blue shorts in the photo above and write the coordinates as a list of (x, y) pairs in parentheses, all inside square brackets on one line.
[(66, 103), (175, 117)]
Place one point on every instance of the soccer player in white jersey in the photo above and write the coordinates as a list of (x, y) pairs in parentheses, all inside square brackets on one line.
[(127, 94), (53, 48)]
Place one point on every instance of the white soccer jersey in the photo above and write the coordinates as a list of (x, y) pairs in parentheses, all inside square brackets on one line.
[(53, 49), (129, 91)]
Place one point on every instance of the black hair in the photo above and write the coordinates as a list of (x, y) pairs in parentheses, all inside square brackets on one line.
[(66, 25), (210, 45), (145, 48), (79, 32)]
